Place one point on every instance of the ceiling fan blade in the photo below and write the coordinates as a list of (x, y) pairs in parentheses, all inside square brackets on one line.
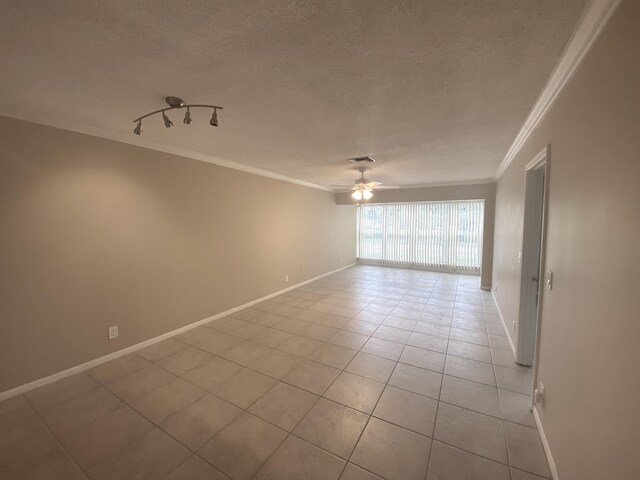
[(373, 184), (387, 187), (342, 186)]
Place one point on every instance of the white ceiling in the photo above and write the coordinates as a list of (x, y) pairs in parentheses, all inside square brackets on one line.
[(435, 90)]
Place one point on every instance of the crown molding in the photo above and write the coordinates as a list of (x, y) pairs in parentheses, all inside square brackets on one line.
[(593, 20), (182, 152)]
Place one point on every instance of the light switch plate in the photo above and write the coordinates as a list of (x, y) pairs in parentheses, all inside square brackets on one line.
[(113, 332), (549, 279)]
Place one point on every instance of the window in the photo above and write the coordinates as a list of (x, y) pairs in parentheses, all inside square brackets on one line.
[(444, 236)]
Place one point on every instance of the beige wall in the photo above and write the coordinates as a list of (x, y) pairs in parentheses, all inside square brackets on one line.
[(590, 329), (97, 233), (484, 191)]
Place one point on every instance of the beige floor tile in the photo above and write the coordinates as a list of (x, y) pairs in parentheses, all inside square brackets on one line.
[(212, 373), (353, 472), (416, 380), (434, 329), (167, 400), (52, 463), (516, 408), (518, 381), (383, 348), (240, 449), (198, 422), (504, 358), (393, 334), (471, 431), (296, 459), (14, 410), (392, 452), (469, 350), (245, 352), (470, 370), (408, 410), (430, 342), (361, 326), (154, 455), (195, 335), (427, 359), (118, 368), (318, 331), (402, 322), (218, 343), (300, 346), (472, 395), (332, 426), (161, 349), (347, 339), (449, 463), (525, 449), (372, 316), (371, 367), (355, 392), (499, 341), (140, 382), (184, 360), (333, 355), (469, 336), (79, 411), (98, 440), (272, 338), (61, 391), (284, 405), (520, 475), (311, 376), (29, 436), (276, 364), (196, 469), (244, 388)]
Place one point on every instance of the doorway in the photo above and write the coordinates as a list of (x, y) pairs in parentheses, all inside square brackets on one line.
[(536, 181)]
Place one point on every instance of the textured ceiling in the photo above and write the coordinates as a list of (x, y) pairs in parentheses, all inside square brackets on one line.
[(435, 90)]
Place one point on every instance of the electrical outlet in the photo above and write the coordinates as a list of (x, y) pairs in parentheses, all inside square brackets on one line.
[(113, 332), (538, 394), (342, 260), (549, 279), (286, 278), (519, 257)]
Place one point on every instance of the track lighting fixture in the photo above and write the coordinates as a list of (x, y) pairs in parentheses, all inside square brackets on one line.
[(174, 104), (167, 122)]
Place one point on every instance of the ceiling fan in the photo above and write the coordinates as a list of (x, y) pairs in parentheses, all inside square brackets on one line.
[(363, 187)]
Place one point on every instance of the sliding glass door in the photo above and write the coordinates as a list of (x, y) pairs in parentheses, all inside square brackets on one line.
[(444, 236)]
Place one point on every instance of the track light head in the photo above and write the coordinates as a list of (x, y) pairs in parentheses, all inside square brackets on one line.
[(214, 118), (167, 122), (138, 129), (187, 117)]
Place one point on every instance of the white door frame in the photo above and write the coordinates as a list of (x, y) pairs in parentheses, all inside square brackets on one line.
[(533, 243)]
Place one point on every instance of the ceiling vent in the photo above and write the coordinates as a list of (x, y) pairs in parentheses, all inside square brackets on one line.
[(362, 160)]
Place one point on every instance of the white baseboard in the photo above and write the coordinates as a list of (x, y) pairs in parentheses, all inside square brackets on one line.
[(545, 445), (138, 346), (504, 325)]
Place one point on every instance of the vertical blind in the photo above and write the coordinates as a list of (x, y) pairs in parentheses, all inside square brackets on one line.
[(445, 236)]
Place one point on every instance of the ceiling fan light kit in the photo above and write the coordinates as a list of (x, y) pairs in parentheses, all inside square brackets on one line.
[(176, 103)]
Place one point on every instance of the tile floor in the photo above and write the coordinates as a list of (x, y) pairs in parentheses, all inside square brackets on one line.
[(369, 373)]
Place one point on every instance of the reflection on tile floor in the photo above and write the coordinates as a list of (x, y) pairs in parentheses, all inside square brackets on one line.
[(365, 374)]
